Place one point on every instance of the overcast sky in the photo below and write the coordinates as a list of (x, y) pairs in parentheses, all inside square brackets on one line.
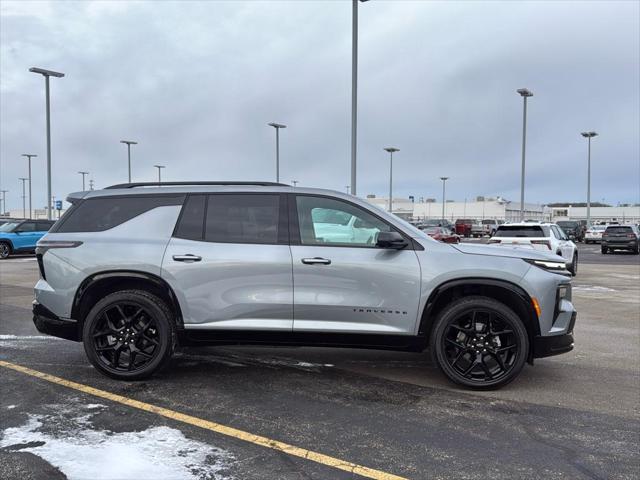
[(195, 83)]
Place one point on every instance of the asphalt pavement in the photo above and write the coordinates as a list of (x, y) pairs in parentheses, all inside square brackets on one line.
[(337, 410)]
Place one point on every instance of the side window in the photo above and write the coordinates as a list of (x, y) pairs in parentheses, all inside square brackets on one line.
[(191, 223), (43, 226), (102, 213), (242, 218), (28, 227), (325, 221)]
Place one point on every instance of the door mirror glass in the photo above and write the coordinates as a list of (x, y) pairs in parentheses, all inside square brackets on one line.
[(391, 240)]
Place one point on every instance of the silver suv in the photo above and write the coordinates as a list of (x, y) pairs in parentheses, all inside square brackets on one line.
[(135, 270)]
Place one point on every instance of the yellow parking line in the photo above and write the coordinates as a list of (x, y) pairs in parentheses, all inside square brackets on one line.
[(213, 426)]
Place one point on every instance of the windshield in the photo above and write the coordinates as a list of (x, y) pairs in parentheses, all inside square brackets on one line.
[(8, 227), (568, 224), (488, 222), (519, 231)]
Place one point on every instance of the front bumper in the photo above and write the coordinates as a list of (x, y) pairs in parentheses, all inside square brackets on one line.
[(49, 323), (554, 344)]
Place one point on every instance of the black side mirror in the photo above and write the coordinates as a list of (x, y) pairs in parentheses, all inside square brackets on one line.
[(391, 240)]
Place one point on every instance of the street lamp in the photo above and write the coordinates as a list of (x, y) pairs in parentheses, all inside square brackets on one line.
[(24, 196), (391, 150), (129, 143), (444, 179), (524, 93), (29, 156), (159, 167), (277, 126), (83, 175), (46, 74), (354, 92), (589, 136)]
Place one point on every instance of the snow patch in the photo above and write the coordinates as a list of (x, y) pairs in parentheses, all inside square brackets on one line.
[(10, 407), (28, 337), (80, 451)]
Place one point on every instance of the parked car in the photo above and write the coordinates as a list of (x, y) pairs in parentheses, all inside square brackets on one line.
[(436, 222), (463, 227), (621, 237), (489, 227), (135, 270), (574, 230), (21, 236), (442, 234), (594, 233), (540, 236)]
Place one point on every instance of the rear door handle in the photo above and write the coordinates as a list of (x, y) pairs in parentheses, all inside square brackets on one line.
[(187, 258), (316, 261)]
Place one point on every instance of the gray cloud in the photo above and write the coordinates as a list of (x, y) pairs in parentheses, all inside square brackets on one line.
[(196, 82)]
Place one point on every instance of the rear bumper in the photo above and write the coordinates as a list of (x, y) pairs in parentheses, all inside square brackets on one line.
[(626, 244), (555, 344), (49, 323)]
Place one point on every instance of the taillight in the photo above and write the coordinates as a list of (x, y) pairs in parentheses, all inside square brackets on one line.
[(630, 235), (542, 242)]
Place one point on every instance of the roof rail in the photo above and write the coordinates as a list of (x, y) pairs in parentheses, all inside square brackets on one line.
[(196, 183)]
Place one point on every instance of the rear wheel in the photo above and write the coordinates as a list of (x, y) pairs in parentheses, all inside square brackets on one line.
[(480, 343), (604, 250), (129, 335), (5, 250)]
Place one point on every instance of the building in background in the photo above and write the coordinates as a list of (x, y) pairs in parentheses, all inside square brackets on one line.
[(629, 214)]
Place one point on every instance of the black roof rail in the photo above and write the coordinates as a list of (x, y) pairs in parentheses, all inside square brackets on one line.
[(196, 183)]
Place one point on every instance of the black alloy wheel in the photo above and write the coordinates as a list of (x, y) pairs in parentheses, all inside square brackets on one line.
[(129, 335), (480, 343)]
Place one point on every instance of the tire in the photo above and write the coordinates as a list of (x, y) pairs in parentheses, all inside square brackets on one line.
[(5, 250), (454, 339), (636, 250), (126, 319), (604, 250), (574, 265)]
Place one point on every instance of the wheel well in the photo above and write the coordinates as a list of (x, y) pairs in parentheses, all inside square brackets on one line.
[(100, 285), (511, 295)]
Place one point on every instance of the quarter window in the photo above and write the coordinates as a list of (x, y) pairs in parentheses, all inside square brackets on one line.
[(242, 218), (329, 222), (191, 225)]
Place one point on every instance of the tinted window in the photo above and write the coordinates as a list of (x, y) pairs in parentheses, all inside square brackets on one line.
[(520, 231), (618, 230), (44, 226), (27, 227), (243, 218), (324, 221), (191, 224), (103, 213)]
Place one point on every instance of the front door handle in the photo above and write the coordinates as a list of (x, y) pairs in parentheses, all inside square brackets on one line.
[(187, 258), (316, 261)]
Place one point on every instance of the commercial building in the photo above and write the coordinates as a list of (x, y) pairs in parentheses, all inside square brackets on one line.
[(598, 214)]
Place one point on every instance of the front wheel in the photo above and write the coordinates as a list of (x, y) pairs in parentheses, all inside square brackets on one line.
[(128, 335), (480, 343), (573, 268), (604, 250), (5, 250)]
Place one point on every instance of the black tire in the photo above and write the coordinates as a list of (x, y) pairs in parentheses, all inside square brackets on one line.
[(573, 268), (636, 250), (454, 339), (604, 250), (5, 250), (134, 323)]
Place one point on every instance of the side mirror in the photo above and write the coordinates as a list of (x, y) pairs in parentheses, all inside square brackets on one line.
[(391, 240)]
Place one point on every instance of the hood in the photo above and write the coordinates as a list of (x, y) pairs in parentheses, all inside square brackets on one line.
[(512, 252)]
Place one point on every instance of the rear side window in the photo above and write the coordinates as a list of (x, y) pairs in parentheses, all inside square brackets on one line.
[(44, 226), (520, 231), (619, 230), (191, 224), (102, 213), (243, 218)]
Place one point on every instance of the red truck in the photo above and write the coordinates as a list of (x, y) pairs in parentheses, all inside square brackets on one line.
[(463, 227)]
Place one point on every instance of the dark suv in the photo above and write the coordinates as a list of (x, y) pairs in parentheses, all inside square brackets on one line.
[(574, 230), (621, 237)]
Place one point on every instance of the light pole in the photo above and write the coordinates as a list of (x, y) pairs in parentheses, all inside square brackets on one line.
[(83, 175), (277, 126), (29, 157), (347, 187), (524, 93), (4, 201), (159, 167), (444, 179), (295, 183), (589, 136), (46, 74), (129, 143), (354, 92), (24, 196), (391, 150)]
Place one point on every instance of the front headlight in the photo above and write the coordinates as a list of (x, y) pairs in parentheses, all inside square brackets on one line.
[(549, 265)]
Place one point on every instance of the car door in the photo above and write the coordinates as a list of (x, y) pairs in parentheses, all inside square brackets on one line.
[(349, 285), (565, 246), (26, 236), (229, 262)]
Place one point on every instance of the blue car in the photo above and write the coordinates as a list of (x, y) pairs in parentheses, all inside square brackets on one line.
[(21, 236)]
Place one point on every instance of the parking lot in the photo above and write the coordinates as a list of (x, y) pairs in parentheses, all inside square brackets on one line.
[(294, 413)]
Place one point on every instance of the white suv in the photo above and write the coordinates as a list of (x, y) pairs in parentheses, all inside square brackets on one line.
[(540, 236)]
